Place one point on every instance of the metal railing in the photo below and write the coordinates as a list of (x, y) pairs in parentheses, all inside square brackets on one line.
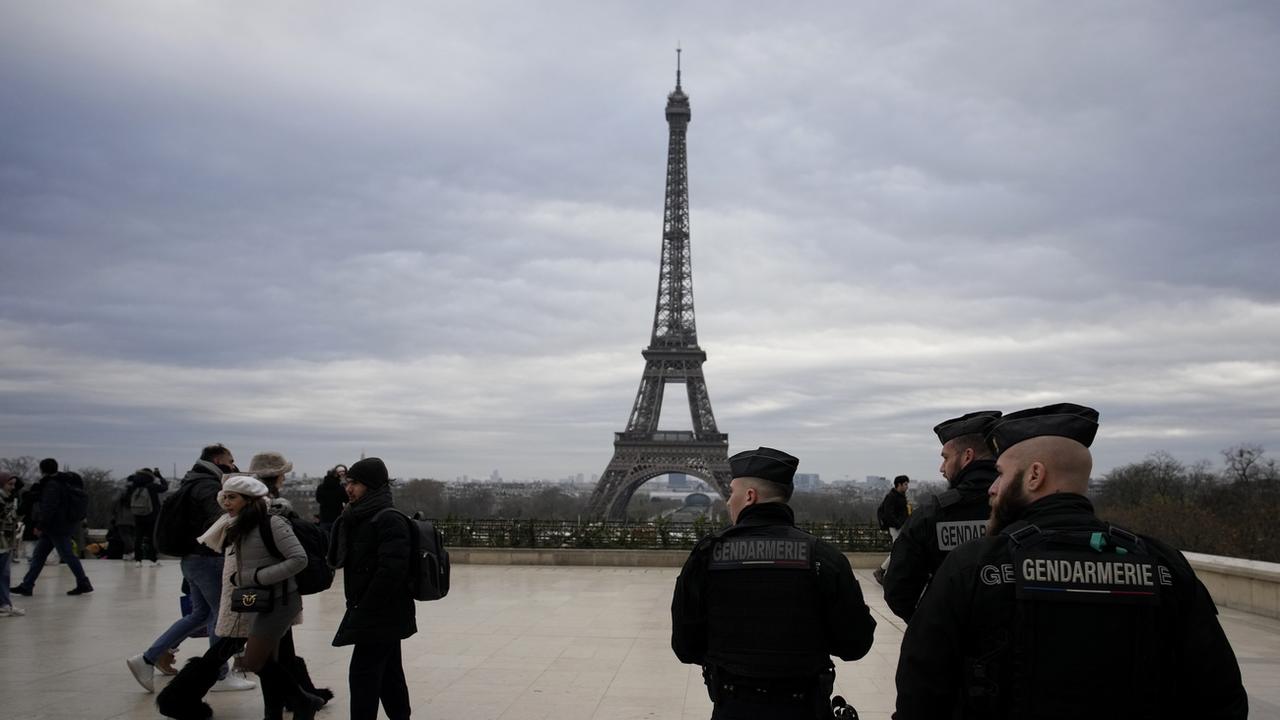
[(629, 535)]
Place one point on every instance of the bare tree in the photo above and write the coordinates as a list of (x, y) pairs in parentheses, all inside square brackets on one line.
[(22, 467)]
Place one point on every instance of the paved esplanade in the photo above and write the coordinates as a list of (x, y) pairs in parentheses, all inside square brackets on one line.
[(508, 642)]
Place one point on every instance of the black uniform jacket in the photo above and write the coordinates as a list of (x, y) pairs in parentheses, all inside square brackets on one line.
[(845, 619), (969, 610), (949, 519), (375, 581)]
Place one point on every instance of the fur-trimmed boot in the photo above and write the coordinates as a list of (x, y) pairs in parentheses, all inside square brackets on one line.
[(183, 697), (283, 686), (297, 668)]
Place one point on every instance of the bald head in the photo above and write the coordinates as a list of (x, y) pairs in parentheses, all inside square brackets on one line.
[(1058, 464)]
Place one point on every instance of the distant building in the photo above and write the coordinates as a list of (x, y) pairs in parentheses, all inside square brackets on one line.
[(878, 482), (807, 481), (678, 481), (696, 505)]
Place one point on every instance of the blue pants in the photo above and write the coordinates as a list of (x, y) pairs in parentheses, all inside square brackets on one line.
[(46, 544), (204, 578)]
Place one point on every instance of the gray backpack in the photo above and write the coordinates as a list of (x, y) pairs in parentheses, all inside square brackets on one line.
[(140, 501)]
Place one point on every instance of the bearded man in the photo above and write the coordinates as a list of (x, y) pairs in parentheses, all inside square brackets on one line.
[(1056, 613)]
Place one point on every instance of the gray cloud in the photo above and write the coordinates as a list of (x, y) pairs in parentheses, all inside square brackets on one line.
[(432, 233)]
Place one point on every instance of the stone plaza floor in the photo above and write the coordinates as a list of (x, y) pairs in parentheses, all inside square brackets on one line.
[(509, 642)]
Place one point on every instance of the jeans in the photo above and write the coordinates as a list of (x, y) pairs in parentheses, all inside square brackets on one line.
[(46, 544), (378, 673), (4, 578), (204, 578)]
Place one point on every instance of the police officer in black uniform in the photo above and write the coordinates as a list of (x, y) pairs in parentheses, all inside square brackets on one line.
[(762, 606), (949, 519), (1057, 614)]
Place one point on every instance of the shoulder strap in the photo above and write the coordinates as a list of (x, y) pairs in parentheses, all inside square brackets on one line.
[(948, 498), (269, 538)]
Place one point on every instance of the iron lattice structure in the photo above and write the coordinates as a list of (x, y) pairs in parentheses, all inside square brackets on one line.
[(643, 452)]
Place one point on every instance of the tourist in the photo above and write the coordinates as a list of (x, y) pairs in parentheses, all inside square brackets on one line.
[(63, 504), (374, 547), (8, 541)]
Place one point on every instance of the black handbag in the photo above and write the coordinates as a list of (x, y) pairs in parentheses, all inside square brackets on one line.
[(252, 599)]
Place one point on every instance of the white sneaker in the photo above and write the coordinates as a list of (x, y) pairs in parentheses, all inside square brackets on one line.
[(233, 682), (137, 563), (11, 611), (155, 563), (143, 671)]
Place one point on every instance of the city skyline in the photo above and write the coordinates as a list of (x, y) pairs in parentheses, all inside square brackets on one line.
[(432, 234)]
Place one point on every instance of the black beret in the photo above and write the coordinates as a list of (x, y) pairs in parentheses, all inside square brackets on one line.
[(766, 464), (1067, 420), (370, 472), (974, 423)]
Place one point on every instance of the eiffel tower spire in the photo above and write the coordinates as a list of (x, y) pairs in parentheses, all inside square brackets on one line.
[(643, 452)]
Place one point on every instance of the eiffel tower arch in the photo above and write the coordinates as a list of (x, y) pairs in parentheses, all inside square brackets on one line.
[(642, 451)]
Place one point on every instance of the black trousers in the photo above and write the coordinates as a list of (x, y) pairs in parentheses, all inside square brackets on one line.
[(144, 546), (377, 673)]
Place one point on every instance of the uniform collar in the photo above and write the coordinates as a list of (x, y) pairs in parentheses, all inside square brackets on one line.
[(770, 513), (1057, 505), (977, 475)]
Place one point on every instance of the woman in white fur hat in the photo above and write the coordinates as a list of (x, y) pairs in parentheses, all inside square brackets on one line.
[(239, 534)]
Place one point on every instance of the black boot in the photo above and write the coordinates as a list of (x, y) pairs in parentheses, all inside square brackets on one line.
[(272, 702), (297, 668), (303, 703), (183, 697)]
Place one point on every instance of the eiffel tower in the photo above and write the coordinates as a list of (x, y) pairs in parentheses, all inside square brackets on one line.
[(642, 451)]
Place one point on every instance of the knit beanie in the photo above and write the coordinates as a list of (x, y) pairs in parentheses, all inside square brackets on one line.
[(370, 472)]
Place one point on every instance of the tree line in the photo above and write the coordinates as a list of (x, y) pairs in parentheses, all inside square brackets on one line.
[(1228, 511)]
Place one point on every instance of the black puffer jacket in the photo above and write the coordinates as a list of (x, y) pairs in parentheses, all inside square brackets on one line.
[(374, 555)]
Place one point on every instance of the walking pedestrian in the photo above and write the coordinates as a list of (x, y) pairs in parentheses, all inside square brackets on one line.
[(63, 504), (186, 515), (271, 468), (259, 602), (893, 513)]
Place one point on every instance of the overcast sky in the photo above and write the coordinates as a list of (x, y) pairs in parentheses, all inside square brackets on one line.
[(431, 231)]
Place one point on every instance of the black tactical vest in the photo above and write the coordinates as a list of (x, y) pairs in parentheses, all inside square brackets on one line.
[(1086, 639), (763, 605)]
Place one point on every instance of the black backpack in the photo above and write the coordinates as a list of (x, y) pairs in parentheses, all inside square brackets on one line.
[(175, 532), (429, 568), (77, 499), (317, 576), (882, 513)]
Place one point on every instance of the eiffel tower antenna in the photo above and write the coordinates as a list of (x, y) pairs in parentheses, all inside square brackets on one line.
[(642, 451), (677, 64)]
